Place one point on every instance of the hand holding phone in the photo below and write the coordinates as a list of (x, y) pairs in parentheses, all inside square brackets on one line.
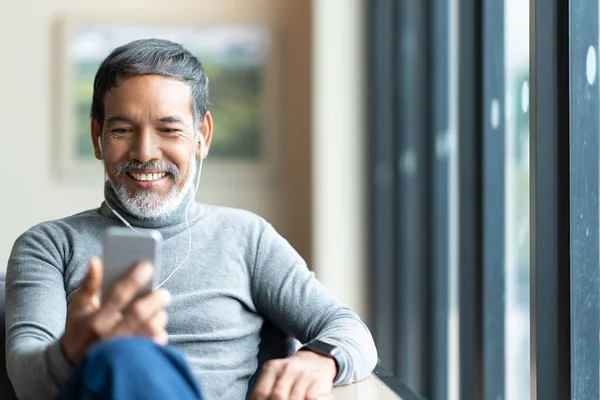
[(129, 306)]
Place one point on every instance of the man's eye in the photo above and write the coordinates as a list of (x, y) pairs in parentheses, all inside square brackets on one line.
[(120, 130), (169, 130)]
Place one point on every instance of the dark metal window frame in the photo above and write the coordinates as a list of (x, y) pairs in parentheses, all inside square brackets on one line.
[(494, 189), (470, 203), (413, 193), (440, 226), (550, 225), (401, 179), (383, 169)]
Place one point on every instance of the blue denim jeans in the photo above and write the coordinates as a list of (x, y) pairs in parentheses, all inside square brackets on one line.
[(131, 369)]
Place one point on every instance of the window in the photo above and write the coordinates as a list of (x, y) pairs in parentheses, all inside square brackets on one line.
[(516, 320), (411, 147), (502, 143), (584, 190), (444, 276)]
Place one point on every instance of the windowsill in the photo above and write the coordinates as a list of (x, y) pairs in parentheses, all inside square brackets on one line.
[(380, 385)]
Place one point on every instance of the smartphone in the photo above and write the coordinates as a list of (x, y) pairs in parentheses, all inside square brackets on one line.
[(123, 248)]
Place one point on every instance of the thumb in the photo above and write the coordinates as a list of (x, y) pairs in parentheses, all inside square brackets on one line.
[(93, 280)]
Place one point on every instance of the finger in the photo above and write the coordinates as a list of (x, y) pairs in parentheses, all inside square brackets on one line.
[(141, 316), (145, 307), (318, 389), (300, 388), (151, 327), (93, 279), (103, 323), (266, 380), (285, 381), (126, 288), (161, 339), (157, 325), (85, 297)]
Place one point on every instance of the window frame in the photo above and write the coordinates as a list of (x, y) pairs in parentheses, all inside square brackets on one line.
[(549, 200), (401, 199), (564, 211), (413, 188), (470, 113), (440, 224), (494, 194), (382, 170)]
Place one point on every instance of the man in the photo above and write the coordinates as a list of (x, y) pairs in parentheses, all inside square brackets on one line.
[(227, 274)]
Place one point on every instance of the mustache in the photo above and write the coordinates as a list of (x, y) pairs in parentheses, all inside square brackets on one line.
[(124, 167)]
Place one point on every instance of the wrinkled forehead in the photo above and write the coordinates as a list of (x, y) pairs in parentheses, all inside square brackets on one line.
[(152, 97)]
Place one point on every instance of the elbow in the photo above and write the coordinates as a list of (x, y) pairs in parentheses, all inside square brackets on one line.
[(24, 367), (18, 378), (373, 357), (18, 383), (368, 351), (369, 356), (361, 360)]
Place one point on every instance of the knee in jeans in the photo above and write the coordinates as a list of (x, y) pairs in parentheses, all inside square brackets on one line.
[(121, 350)]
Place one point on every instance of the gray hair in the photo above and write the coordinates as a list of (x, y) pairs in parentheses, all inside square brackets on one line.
[(151, 57)]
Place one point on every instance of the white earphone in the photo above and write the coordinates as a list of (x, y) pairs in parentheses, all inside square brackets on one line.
[(202, 147), (199, 172)]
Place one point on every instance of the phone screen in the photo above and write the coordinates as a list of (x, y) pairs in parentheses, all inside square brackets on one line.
[(123, 248)]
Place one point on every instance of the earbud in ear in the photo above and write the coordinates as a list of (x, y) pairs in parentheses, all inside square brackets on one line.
[(202, 147), (100, 144)]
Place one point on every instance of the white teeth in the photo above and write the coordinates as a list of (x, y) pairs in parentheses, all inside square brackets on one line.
[(148, 177)]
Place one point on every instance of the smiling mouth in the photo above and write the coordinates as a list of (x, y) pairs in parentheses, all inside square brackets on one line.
[(149, 177)]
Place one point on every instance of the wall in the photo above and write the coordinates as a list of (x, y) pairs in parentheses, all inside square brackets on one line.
[(30, 192), (340, 151)]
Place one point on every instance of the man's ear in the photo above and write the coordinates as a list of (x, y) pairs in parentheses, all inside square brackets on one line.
[(205, 131), (96, 138)]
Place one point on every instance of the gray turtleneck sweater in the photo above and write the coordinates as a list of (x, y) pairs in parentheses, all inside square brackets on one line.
[(240, 276)]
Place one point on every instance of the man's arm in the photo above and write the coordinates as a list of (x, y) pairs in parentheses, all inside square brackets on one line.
[(289, 295), (40, 348), (36, 309)]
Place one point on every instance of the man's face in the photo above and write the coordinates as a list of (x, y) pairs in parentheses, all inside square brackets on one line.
[(149, 144)]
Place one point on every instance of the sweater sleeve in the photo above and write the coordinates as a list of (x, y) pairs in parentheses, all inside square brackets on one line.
[(36, 309), (288, 294)]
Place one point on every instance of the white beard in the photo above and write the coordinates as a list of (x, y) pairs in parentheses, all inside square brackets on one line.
[(147, 204)]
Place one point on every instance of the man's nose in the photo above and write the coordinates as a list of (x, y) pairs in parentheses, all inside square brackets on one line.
[(145, 146)]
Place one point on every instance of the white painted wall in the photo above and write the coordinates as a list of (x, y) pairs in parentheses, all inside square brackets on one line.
[(340, 150), (30, 192)]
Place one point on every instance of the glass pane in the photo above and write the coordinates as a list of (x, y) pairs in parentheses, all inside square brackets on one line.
[(584, 187), (453, 315), (516, 58)]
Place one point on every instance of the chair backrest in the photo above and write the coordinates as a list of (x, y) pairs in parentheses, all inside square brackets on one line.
[(274, 344), (6, 389)]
